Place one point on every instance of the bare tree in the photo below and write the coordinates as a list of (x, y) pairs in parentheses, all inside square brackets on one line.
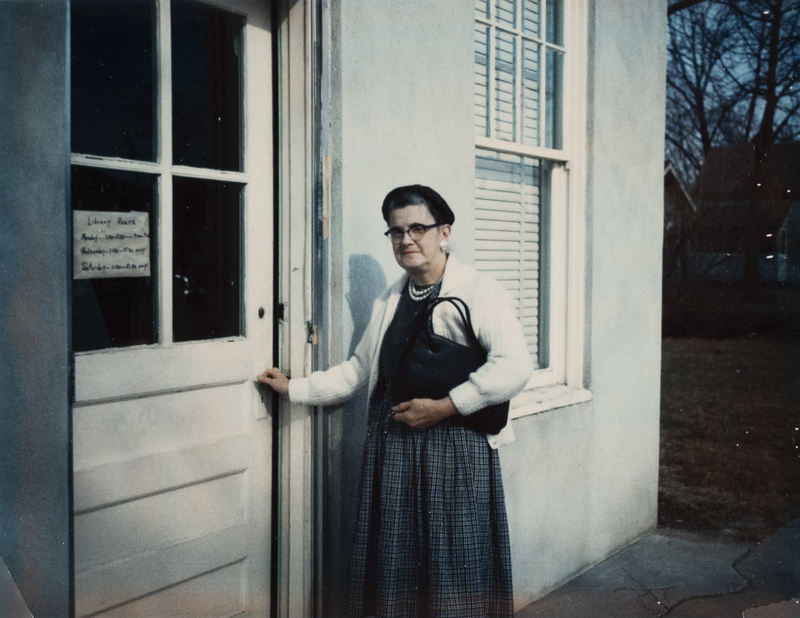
[(701, 93), (732, 79), (679, 5), (765, 63)]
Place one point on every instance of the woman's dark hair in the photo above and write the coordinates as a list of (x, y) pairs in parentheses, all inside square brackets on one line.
[(415, 195)]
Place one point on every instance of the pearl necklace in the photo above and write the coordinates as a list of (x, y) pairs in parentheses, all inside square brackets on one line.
[(418, 294)]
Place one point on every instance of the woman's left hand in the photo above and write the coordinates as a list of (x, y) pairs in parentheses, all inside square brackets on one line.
[(422, 413)]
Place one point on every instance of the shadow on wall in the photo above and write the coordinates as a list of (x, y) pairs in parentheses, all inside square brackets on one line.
[(367, 282)]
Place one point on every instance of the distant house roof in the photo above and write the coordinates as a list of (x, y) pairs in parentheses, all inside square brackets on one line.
[(676, 190), (726, 174)]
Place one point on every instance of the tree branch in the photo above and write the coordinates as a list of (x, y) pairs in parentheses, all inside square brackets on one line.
[(680, 5)]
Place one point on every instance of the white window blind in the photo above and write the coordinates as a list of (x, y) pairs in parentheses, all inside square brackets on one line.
[(481, 80), (505, 91), (506, 11), (510, 236), (530, 93)]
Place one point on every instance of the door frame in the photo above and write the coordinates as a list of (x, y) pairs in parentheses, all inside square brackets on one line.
[(298, 201)]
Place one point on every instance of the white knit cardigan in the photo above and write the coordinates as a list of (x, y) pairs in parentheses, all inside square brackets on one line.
[(506, 371)]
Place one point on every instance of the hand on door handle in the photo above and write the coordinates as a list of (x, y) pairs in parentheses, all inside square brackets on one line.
[(276, 380)]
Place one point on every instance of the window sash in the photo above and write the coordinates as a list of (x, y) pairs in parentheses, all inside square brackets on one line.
[(564, 307), (511, 72)]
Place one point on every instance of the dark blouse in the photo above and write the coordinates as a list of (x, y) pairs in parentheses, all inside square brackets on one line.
[(398, 336)]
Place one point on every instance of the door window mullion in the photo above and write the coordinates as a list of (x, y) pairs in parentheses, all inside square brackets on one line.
[(164, 131)]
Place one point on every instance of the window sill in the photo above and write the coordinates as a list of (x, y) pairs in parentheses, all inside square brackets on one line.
[(546, 398)]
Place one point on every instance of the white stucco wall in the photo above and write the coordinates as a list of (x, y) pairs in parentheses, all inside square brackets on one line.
[(581, 481), (406, 112), (626, 140)]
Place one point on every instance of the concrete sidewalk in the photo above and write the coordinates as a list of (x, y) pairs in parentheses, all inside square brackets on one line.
[(684, 575), (12, 605)]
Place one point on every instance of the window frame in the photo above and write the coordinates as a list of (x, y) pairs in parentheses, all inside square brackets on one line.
[(563, 382)]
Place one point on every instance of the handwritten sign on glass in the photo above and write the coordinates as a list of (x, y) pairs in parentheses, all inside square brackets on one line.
[(110, 244)]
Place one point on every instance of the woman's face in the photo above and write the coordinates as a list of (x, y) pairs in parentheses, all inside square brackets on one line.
[(424, 257)]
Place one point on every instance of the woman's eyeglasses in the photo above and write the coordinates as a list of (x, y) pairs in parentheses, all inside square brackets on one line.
[(415, 232)]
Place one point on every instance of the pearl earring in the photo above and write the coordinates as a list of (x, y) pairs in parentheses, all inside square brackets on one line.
[(443, 245)]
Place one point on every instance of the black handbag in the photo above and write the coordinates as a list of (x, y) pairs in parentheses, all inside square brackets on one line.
[(433, 365)]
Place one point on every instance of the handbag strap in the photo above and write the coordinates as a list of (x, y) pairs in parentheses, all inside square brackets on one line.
[(424, 327), (463, 311)]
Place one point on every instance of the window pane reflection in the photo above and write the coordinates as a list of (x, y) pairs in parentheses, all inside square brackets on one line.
[(112, 82), (555, 22), (113, 312), (207, 237), (553, 92), (206, 86)]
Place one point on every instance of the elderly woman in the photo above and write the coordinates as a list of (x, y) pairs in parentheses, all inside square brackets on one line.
[(431, 536)]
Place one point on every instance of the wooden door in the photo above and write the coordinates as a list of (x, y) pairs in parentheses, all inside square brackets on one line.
[(172, 306)]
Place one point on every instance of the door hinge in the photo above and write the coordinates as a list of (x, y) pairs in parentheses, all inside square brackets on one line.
[(280, 313), (311, 329)]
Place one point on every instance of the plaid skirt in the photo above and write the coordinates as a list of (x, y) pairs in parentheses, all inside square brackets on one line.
[(431, 534)]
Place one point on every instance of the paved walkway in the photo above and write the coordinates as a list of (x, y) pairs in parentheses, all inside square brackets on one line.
[(11, 603), (683, 575), (667, 573)]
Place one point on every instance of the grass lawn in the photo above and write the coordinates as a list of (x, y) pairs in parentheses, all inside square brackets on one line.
[(730, 435)]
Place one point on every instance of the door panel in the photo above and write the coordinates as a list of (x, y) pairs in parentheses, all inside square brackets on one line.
[(216, 594), (143, 523), (118, 587), (160, 370), (172, 439), (120, 430)]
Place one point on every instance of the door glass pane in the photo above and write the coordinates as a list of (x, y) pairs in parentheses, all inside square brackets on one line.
[(113, 300), (206, 86), (112, 82), (206, 258)]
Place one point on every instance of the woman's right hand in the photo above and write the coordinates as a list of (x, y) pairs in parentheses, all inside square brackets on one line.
[(276, 380)]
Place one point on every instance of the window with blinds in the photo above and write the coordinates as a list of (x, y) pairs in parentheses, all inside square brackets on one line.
[(519, 64), (511, 236)]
